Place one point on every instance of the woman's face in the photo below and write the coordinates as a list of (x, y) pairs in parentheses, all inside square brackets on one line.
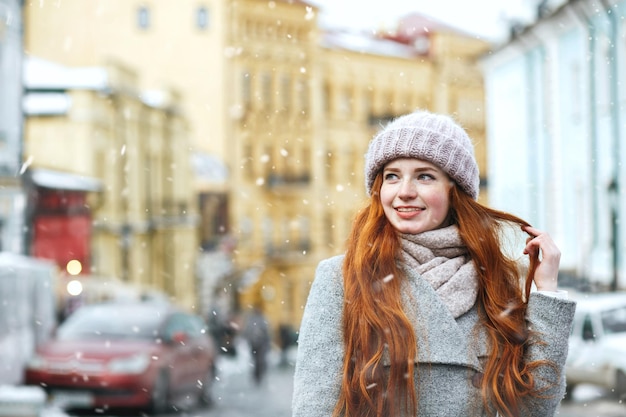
[(415, 195)]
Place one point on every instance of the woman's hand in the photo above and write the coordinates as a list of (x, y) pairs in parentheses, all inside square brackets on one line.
[(541, 248)]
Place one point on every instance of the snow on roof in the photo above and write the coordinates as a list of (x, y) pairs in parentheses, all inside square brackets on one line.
[(41, 74), (60, 180), (46, 82), (154, 98), (416, 23), (366, 43), (48, 104)]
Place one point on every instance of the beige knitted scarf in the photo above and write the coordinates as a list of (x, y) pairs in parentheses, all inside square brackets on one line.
[(442, 259)]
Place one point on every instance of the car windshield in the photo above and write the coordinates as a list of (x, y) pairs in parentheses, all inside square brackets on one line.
[(111, 321), (614, 321)]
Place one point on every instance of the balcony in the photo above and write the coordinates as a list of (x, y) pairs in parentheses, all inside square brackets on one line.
[(288, 251), (287, 181)]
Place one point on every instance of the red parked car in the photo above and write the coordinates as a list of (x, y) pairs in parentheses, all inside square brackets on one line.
[(147, 356)]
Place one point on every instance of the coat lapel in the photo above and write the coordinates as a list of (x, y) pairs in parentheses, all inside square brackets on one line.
[(440, 337)]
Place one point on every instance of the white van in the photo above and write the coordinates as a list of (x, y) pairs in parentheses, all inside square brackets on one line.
[(597, 344)]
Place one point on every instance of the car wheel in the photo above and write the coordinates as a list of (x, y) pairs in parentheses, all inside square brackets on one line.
[(159, 397), (620, 384), (206, 390)]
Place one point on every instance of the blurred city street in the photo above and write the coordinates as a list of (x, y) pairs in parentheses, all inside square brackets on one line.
[(236, 395), (590, 401)]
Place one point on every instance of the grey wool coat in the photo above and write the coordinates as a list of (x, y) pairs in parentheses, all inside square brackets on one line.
[(450, 351)]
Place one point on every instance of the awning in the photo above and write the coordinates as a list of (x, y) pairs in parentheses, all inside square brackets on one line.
[(59, 180)]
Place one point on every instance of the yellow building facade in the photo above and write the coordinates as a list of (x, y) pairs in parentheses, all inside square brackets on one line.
[(276, 172), (309, 104), (289, 108), (144, 218), (177, 44)]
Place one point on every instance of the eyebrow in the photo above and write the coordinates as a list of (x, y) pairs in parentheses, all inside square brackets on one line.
[(420, 169)]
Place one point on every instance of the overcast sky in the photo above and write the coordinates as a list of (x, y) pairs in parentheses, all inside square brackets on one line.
[(485, 18)]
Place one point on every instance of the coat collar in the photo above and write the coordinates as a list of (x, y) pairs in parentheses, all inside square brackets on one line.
[(441, 338)]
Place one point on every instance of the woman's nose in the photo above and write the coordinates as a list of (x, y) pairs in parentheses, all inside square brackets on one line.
[(408, 190)]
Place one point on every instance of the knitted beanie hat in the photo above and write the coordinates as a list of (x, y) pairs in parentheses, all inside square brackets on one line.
[(431, 137)]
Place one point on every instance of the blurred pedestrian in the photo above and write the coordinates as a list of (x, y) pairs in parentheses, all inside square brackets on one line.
[(223, 329), (72, 303), (426, 314), (256, 332), (286, 339)]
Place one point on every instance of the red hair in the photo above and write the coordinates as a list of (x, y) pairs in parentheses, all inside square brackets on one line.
[(374, 320)]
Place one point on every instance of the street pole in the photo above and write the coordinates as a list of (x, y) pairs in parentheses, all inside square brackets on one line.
[(614, 242), (613, 198)]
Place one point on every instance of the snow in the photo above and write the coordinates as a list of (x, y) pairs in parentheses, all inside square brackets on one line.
[(41, 74), (488, 19), (65, 181), (365, 43), (46, 104), (481, 17), (48, 85)]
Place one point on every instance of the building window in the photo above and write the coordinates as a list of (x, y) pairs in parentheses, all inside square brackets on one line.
[(285, 92), (330, 168), (202, 18), (267, 227), (304, 232), (143, 17), (246, 88), (266, 90), (326, 98), (248, 161), (345, 101), (302, 94), (329, 227)]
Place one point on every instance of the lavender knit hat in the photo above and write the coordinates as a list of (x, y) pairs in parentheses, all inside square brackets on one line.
[(431, 137)]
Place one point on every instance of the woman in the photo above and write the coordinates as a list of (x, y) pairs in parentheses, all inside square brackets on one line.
[(426, 315)]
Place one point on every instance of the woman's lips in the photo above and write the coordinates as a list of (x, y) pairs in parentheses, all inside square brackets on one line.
[(408, 212)]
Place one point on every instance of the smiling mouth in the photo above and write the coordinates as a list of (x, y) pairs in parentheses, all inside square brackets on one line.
[(408, 209)]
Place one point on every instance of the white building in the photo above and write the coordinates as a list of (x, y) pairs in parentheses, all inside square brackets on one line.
[(556, 130), (12, 198)]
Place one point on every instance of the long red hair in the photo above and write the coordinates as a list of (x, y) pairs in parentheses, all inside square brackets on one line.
[(374, 320)]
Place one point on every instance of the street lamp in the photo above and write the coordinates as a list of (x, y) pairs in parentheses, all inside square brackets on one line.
[(126, 238), (613, 194)]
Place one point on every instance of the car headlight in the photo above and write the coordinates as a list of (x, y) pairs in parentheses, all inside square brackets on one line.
[(135, 364)]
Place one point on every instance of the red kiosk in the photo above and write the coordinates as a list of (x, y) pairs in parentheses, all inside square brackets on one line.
[(60, 218)]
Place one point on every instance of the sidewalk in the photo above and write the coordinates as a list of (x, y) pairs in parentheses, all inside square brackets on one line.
[(236, 394)]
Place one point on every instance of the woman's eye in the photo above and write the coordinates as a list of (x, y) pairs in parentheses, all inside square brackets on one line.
[(390, 176), (425, 177)]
